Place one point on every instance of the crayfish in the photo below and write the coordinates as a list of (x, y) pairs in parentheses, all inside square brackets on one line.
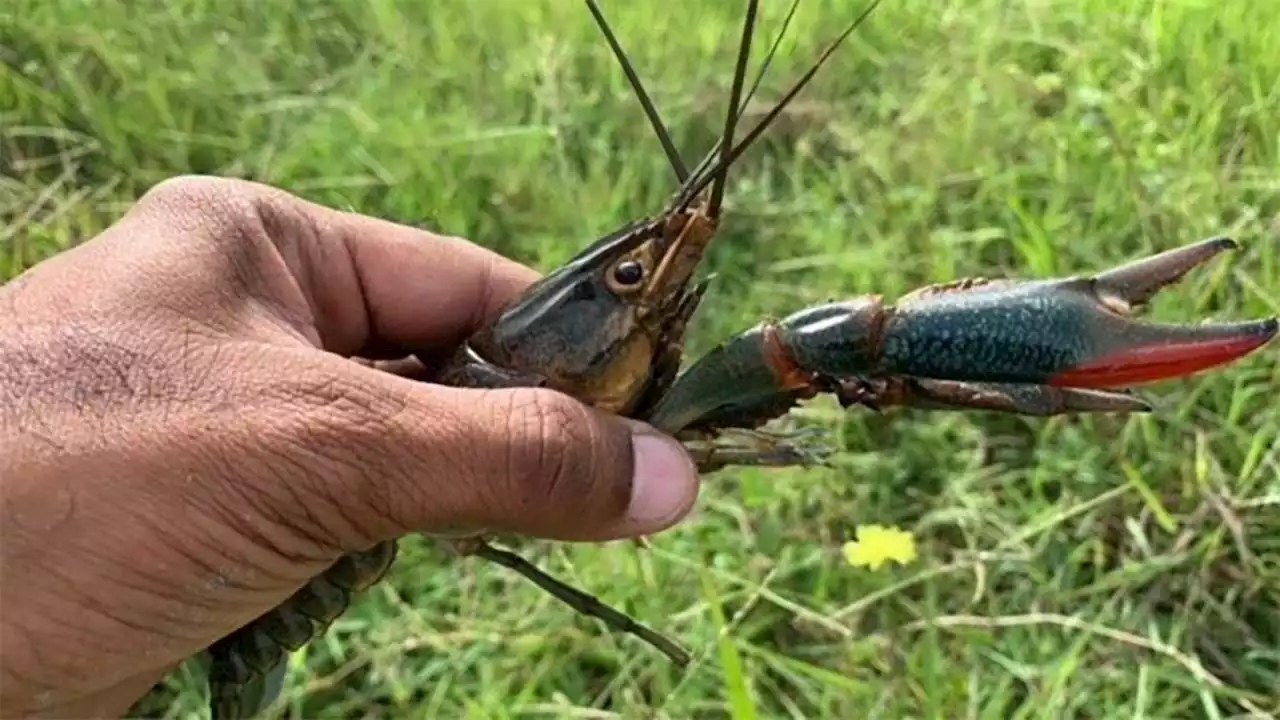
[(1040, 347)]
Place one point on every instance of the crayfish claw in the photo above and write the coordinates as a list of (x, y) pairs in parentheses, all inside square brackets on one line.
[(1133, 284), (1074, 332), (1128, 352)]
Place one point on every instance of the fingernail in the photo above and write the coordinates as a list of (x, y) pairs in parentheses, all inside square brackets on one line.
[(665, 482)]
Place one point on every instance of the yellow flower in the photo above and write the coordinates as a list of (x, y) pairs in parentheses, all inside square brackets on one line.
[(877, 544)]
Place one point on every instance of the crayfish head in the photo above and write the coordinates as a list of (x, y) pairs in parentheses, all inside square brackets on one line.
[(598, 327)]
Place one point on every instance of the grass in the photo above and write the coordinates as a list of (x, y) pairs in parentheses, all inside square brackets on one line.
[(1101, 567)]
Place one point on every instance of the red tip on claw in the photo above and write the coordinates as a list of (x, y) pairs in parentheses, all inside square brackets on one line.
[(1162, 361)]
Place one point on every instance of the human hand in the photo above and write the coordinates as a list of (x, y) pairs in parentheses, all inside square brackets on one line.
[(186, 439)]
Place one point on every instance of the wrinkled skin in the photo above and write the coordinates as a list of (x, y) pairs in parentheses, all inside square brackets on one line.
[(186, 438)]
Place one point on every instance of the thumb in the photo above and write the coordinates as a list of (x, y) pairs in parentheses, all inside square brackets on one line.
[(530, 461)]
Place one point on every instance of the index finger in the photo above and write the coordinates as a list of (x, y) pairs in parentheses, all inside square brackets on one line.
[(372, 287), (420, 290)]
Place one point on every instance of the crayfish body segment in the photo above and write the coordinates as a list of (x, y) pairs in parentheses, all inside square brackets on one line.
[(247, 668)]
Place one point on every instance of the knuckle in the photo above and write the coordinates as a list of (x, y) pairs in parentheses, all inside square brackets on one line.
[(185, 194), (215, 213), (189, 185), (236, 208), (246, 232), (341, 406)]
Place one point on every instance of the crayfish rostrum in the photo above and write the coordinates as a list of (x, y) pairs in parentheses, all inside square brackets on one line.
[(608, 328)]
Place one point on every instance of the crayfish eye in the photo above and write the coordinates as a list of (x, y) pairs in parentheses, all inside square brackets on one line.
[(628, 273)]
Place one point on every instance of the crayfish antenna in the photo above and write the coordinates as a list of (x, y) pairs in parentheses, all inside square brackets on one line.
[(727, 158), (650, 111), (704, 169), (687, 179), (731, 117)]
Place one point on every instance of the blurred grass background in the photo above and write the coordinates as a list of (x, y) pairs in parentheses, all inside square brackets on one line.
[(1070, 568)]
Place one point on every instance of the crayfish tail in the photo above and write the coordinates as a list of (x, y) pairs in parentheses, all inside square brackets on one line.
[(247, 668), (229, 701)]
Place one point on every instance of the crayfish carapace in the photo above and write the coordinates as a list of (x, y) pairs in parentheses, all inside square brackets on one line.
[(608, 328)]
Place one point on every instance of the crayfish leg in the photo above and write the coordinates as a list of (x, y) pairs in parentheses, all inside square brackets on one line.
[(755, 448), (582, 602), (1015, 398)]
